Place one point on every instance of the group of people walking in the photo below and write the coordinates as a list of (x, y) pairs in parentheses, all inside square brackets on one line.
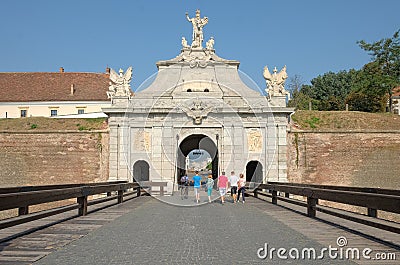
[(237, 185)]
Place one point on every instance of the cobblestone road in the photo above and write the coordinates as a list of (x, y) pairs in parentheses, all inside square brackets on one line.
[(159, 233)]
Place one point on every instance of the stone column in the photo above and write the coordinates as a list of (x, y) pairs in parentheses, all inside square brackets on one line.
[(123, 150), (282, 149), (239, 151), (113, 159), (156, 172), (271, 152)]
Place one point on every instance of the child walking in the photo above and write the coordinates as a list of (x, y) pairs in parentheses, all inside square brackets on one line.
[(210, 185)]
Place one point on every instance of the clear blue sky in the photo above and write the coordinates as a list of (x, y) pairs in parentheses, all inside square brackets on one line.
[(310, 37)]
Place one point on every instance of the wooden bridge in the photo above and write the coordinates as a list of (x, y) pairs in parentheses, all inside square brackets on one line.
[(118, 223)]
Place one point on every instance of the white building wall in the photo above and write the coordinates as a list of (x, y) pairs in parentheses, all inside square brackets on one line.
[(43, 109)]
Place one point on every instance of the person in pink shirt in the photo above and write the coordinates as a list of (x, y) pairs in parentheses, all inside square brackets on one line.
[(222, 186)]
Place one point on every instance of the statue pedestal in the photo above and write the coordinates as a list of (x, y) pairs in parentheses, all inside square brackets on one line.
[(121, 101), (278, 101)]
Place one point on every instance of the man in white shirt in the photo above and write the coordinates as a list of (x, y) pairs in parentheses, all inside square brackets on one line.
[(233, 180)]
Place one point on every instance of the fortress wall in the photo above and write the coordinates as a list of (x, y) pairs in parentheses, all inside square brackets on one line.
[(346, 159), (45, 158), (336, 158), (361, 159)]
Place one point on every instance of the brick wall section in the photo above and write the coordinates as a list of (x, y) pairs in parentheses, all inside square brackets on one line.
[(358, 159), (346, 158), (336, 158), (53, 158), (367, 159)]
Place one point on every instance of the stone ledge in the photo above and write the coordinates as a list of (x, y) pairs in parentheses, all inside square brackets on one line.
[(52, 131), (291, 130)]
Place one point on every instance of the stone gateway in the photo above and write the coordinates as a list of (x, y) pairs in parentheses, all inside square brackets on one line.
[(198, 101)]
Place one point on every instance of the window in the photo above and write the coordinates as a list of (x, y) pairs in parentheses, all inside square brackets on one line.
[(189, 90), (23, 113), (206, 90), (81, 111), (53, 112)]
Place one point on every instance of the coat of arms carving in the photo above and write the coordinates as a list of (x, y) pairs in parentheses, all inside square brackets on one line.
[(197, 110)]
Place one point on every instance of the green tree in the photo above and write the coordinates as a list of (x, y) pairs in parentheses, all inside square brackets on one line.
[(209, 166), (385, 52), (361, 101), (385, 56), (326, 92), (295, 84), (370, 90), (331, 89), (298, 99), (301, 101)]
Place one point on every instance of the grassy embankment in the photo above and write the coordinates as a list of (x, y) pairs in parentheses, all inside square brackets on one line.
[(344, 120), (52, 124)]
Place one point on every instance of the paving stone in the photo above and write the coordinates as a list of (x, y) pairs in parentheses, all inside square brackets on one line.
[(159, 233)]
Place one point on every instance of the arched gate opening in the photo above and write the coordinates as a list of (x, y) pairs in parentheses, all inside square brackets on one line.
[(141, 171), (196, 142), (254, 171)]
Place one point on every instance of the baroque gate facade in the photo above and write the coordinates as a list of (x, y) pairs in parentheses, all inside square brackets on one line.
[(197, 101)]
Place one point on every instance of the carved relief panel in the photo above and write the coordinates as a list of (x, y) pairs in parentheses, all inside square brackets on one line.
[(142, 140), (254, 140)]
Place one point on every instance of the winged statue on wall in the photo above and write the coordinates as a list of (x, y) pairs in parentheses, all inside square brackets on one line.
[(275, 81), (119, 83)]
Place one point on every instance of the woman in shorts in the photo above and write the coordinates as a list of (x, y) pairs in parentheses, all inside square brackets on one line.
[(222, 186)]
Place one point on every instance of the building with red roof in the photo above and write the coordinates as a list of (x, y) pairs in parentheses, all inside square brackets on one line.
[(49, 94)]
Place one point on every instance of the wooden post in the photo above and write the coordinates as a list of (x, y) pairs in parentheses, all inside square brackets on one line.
[(255, 193), (108, 193), (287, 194), (372, 212), (309, 105), (274, 194), (311, 206), (120, 196), (82, 201), (138, 191), (24, 210)]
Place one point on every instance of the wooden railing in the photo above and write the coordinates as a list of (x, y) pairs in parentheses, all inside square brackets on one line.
[(150, 184), (373, 199), (57, 186), (22, 197)]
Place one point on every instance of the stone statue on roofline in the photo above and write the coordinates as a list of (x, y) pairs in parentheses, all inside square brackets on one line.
[(198, 23), (276, 82), (210, 44), (193, 53), (184, 43), (120, 83)]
